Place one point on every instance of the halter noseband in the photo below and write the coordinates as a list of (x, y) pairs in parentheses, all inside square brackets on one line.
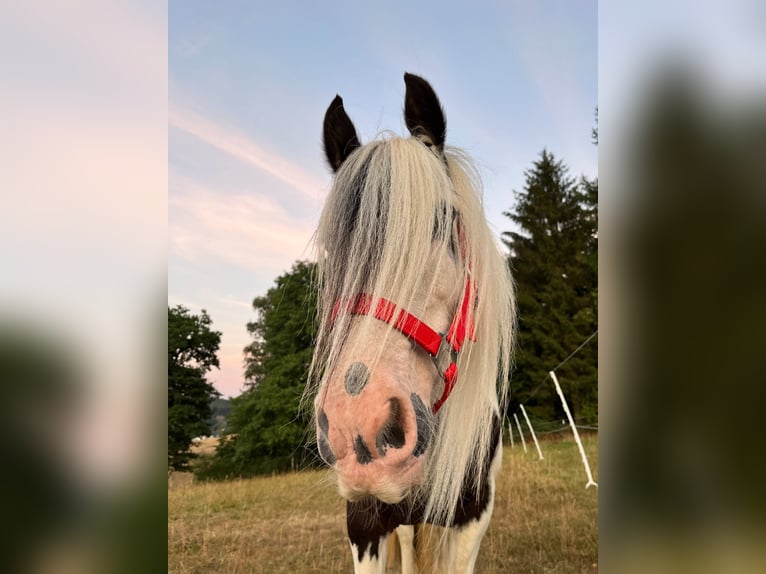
[(442, 348)]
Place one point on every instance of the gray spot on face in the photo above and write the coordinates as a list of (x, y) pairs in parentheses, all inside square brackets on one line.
[(363, 454), (422, 419), (357, 376)]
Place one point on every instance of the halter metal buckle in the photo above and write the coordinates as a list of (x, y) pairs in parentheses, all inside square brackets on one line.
[(444, 357)]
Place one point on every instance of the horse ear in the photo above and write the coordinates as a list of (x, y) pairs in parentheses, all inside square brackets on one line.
[(339, 134), (423, 112)]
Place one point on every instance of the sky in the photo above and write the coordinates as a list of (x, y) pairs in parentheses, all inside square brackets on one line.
[(248, 85)]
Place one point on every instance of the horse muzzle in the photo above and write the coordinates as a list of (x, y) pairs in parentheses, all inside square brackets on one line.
[(376, 445)]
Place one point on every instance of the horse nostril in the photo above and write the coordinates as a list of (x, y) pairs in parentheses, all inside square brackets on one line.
[(323, 444), (324, 424), (392, 433), (423, 422), (325, 451)]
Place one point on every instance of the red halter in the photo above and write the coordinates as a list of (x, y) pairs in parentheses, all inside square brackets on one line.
[(443, 349)]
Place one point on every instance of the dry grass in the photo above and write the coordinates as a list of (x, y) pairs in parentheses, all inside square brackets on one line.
[(205, 446), (544, 520)]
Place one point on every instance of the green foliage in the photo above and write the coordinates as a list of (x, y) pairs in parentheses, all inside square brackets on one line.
[(266, 426), (554, 260), (220, 409), (192, 348)]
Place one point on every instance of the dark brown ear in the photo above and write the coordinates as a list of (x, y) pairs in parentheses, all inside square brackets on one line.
[(423, 112), (339, 134)]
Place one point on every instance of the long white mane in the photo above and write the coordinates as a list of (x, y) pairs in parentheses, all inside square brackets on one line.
[(392, 199)]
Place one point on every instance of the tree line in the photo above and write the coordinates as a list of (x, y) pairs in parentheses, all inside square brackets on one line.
[(553, 256)]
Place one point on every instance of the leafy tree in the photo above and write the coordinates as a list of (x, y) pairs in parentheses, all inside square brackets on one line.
[(192, 348), (266, 428), (555, 266), (220, 409)]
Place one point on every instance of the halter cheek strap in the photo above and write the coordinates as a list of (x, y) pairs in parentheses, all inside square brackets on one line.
[(442, 348)]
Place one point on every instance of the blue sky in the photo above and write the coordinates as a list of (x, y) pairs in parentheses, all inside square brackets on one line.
[(248, 85)]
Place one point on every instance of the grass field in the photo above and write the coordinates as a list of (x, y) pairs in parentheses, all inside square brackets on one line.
[(545, 521)]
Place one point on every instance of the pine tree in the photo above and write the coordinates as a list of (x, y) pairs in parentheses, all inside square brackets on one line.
[(553, 258)]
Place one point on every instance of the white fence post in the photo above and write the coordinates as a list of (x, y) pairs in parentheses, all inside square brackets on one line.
[(521, 434), (591, 482), (529, 424)]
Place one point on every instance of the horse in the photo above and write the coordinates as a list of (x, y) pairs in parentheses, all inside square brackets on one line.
[(416, 320)]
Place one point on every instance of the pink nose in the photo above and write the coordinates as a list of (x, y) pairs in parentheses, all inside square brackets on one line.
[(371, 434), (392, 431)]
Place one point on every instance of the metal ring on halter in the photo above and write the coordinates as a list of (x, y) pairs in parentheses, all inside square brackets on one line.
[(445, 356)]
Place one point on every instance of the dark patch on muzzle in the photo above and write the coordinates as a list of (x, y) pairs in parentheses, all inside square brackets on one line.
[(392, 434), (423, 421), (324, 424), (356, 378), (325, 451), (323, 444), (363, 454)]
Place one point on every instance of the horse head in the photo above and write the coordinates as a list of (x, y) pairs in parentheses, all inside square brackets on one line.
[(401, 239)]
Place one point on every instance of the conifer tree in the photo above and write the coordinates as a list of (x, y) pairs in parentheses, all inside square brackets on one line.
[(553, 257)]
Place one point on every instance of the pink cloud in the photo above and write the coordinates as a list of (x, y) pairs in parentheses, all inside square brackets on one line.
[(242, 147), (246, 229)]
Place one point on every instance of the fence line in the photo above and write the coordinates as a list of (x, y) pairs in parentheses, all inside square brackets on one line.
[(521, 434), (531, 430), (566, 428), (572, 425), (557, 367), (591, 482)]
